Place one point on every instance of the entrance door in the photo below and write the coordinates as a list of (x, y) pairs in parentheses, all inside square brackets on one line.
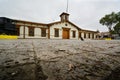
[(66, 33)]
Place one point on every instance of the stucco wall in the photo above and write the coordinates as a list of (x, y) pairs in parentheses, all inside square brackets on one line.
[(90, 35), (37, 32), (21, 32), (60, 26), (82, 34), (87, 35)]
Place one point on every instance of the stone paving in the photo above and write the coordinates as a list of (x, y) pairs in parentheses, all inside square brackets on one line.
[(45, 59)]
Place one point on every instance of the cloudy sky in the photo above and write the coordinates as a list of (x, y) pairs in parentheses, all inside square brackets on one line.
[(84, 13)]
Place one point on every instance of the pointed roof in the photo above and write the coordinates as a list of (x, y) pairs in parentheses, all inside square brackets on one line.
[(63, 22), (64, 14)]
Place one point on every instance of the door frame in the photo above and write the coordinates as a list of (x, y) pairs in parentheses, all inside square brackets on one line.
[(63, 28)]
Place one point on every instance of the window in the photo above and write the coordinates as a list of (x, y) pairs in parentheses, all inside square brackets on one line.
[(79, 34), (31, 31), (88, 35), (43, 32), (18, 31), (56, 32), (74, 34), (65, 24), (96, 36), (93, 35), (84, 35), (66, 18)]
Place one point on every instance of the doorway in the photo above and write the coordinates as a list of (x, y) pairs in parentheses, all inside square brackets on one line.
[(66, 32)]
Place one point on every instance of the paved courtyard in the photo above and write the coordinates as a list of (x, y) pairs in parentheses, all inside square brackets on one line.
[(45, 59)]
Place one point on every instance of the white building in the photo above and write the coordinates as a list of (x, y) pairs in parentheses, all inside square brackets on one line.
[(63, 29)]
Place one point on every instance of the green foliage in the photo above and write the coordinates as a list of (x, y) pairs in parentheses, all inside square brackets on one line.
[(117, 28), (108, 20), (112, 21), (118, 16)]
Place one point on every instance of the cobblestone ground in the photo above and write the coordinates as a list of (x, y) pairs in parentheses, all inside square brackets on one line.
[(38, 59)]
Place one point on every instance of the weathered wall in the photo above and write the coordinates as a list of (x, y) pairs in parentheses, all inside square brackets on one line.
[(60, 26), (87, 35), (37, 32)]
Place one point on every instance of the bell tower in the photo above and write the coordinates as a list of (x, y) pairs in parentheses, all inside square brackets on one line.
[(64, 17)]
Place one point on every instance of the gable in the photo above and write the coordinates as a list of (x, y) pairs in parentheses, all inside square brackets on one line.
[(64, 24), (74, 25)]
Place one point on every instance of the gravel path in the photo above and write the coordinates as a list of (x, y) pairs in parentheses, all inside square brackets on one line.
[(44, 59)]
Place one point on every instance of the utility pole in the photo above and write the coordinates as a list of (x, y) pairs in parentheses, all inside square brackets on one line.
[(67, 7)]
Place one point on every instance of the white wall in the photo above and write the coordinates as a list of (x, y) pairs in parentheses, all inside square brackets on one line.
[(95, 36), (87, 35), (82, 34), (60, 26), (37, 32), (21, 31), (90, 35)]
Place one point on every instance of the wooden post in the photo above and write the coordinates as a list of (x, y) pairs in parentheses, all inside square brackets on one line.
[(24, 32)]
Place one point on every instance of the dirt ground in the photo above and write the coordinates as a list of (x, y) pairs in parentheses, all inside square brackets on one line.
[(45, 59)]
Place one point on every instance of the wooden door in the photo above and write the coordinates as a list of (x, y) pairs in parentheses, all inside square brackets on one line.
[(65, 33)]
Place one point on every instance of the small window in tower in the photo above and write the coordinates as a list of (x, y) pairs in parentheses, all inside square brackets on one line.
[(74, 34), (56, 32), (66, 18)]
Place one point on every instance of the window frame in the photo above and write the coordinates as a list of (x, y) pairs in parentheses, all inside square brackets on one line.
[(80, 34), (92, 35), (31, 29), (85, 35), (74, 34), (89, 35), (56, 29), (43, 32)]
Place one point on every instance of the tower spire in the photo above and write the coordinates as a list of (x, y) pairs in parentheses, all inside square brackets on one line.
[(67, 7)]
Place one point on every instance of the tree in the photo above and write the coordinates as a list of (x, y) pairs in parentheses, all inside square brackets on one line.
[(118, 16), (112, 21), (117, 26), (109, 20)]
